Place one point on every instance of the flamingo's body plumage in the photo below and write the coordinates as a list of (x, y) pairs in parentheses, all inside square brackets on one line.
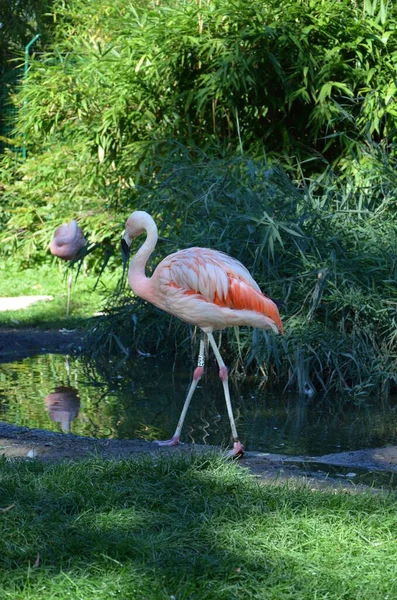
[(211, 290), (203, 287), (67, 241)]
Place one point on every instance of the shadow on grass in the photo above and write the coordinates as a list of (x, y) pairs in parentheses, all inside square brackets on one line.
[(187, 527)]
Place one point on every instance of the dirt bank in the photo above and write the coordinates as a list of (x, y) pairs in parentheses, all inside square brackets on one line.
[(16, 344)]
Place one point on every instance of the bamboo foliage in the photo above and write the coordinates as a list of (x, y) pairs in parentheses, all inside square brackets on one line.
[(300, 73)]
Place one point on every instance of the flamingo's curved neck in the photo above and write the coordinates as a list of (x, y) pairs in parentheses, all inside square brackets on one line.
[(136, 272)]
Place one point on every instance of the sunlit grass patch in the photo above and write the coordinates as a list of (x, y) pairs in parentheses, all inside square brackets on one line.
[(189, 527), (88, 295)]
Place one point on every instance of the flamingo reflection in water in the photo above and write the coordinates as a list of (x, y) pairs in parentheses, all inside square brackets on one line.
[(63, 405)]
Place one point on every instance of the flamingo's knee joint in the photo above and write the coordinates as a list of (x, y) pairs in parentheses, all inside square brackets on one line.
[(198, 373), (223, 373)]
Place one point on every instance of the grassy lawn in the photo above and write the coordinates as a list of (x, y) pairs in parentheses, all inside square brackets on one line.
[(51, 279), (188, 528)]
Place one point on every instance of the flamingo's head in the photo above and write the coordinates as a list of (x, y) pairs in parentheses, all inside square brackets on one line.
[(137, 223)]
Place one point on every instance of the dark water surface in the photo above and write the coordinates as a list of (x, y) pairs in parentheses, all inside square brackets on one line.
[(53, 392)]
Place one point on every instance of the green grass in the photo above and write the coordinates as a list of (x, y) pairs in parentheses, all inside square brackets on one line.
[(188, 528), (51, 279)]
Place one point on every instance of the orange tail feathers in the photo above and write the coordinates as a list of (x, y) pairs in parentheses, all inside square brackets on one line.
[(272, 312), (242, 296)]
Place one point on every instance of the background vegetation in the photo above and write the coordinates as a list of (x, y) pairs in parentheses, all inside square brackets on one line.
[(19, 23), (263, 129)]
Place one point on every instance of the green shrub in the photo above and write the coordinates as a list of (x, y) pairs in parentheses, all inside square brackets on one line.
[(327, 248)]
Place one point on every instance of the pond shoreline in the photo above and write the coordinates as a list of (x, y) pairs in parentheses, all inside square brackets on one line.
[(24, 443)]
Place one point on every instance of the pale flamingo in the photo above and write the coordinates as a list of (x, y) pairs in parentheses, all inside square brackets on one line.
[(203, 287), (66, 243)]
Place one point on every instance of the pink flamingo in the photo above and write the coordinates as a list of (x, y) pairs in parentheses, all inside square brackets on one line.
[(66, 243), (203, 287)]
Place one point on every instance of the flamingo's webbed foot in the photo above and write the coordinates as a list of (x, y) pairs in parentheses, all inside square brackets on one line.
[(238, 450), (174, 441)]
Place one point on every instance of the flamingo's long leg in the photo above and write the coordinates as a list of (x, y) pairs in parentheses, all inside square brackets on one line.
[(174, 441), (238, 449), (70, 281)]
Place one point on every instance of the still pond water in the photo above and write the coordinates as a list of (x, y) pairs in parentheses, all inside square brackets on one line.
[(58, 393)]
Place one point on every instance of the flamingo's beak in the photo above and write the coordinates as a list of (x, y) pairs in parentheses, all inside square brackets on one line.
[(125, 247)]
